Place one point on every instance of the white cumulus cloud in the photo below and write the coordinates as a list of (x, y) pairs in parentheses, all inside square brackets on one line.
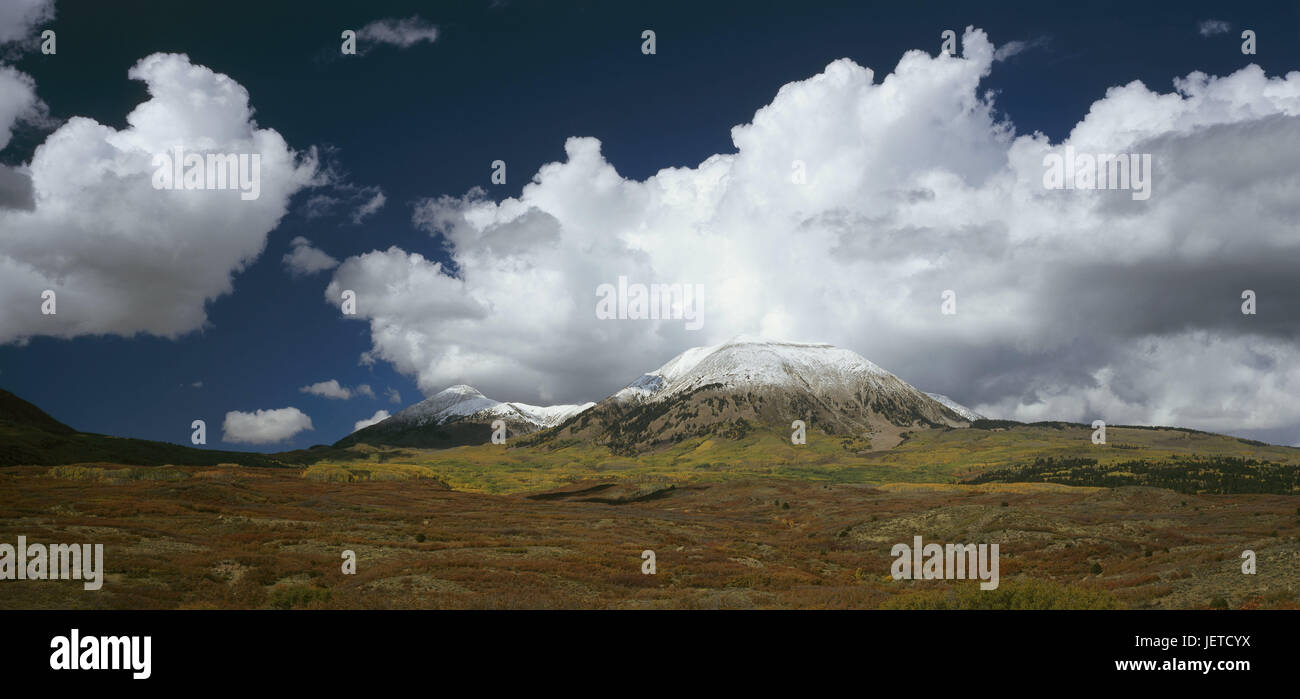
[(19, 19), (328, 389), (333, 389), (1071, 304), (18, 102), (303, 259), (264, 426), (378, 417), (123, 257)]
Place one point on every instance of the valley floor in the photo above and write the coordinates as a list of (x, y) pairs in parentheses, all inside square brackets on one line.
[(231, 537)]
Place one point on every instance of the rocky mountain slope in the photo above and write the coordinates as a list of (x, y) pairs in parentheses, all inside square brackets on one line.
[(459, 415), (748, 383)]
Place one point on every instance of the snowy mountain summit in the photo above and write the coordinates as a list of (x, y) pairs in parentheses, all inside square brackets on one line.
[(746, 361), (726, 390), (746, 383), (461, 401), (460, 415), (451, 402)]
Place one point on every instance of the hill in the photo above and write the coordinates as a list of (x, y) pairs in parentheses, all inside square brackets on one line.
[(925, 456), (30, 437)]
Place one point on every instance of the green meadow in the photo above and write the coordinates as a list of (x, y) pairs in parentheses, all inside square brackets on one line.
[(926, 456)]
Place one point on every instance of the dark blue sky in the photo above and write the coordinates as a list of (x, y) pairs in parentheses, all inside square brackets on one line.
[(510, 80)]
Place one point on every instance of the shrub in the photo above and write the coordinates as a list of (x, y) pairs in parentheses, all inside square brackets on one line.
[(1010, 594), (297, 596)]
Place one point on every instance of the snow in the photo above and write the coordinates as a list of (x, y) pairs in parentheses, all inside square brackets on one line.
[(642, 388), (451, 402), (461, 401), (749, 361), (743, 361), (540, 415), (956, 407)]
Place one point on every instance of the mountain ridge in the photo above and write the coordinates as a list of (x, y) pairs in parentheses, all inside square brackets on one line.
[(746, 383), (31, 437), (458, 415), (956, 407)]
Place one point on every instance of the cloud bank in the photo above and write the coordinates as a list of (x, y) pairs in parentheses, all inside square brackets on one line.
[(1071, 304), (19, 19)]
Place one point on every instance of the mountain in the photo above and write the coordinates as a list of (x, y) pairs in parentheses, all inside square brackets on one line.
[(729, 389), (30, 437), (956, 407), (459, 415), (18, 414)]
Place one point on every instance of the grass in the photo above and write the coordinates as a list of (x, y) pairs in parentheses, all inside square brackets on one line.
[(753, 522), (926, 456), (233, 537), (1010, 594), (1183, 474), (22, 445), (109, 474)]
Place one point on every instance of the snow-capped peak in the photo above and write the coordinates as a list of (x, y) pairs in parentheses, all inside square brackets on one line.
[(540, 415), (746, 360), (450, 402), (462, 400)]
